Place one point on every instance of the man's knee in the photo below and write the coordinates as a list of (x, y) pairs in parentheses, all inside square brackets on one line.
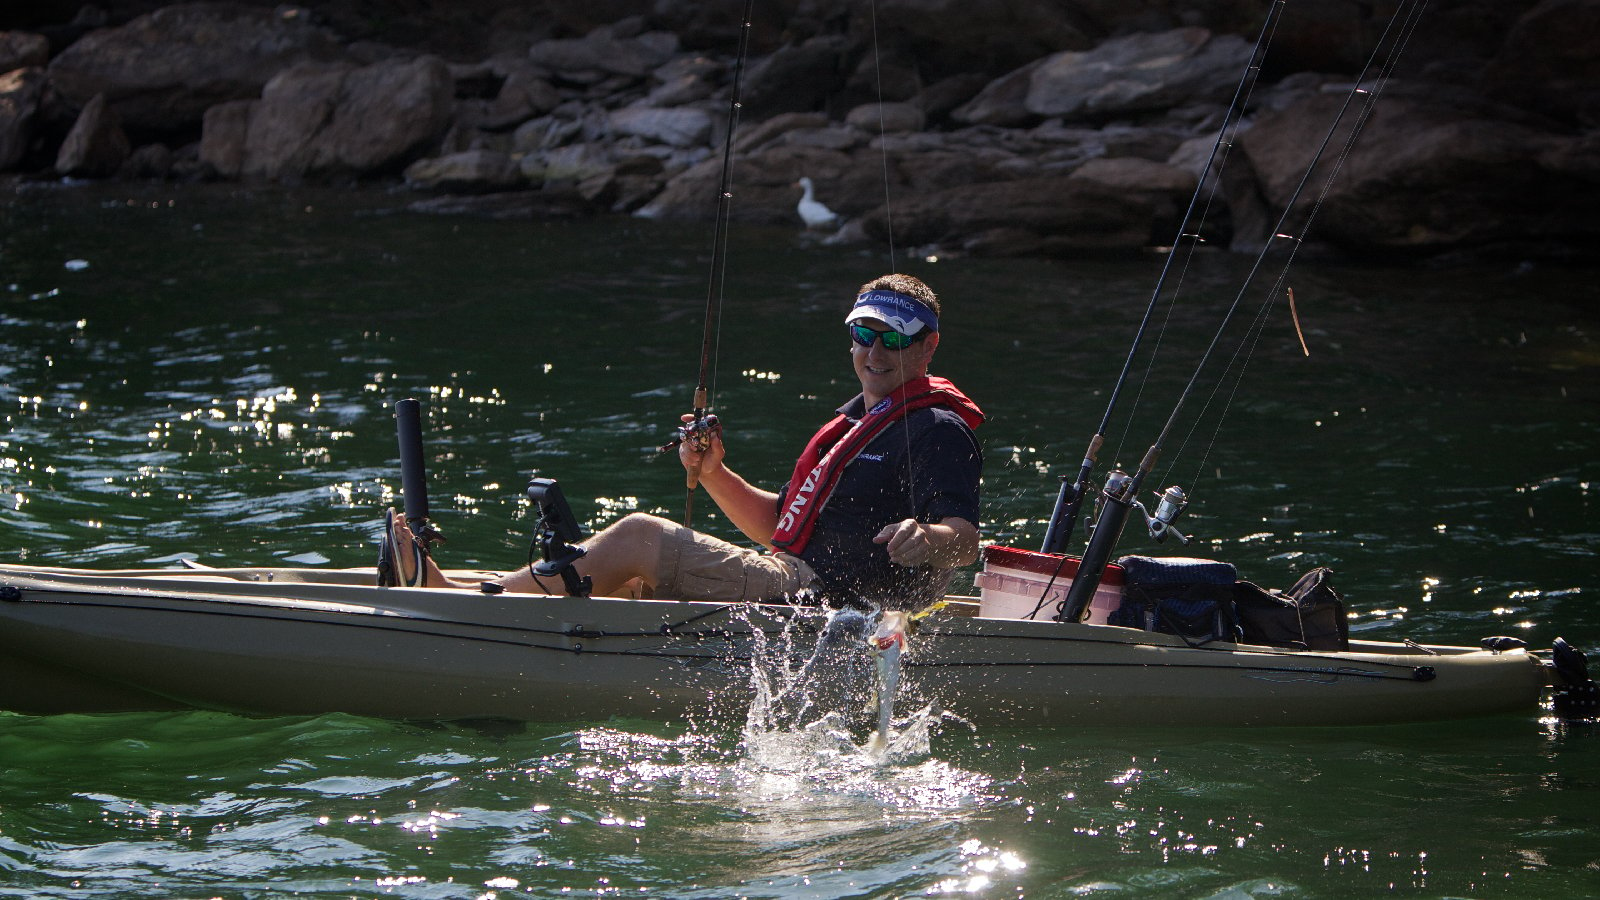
[(640, 526)]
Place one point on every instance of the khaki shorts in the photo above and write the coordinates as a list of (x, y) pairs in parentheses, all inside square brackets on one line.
[(696, 566)]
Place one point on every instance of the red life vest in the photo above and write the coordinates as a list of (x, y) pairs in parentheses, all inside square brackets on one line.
[(822, 464)]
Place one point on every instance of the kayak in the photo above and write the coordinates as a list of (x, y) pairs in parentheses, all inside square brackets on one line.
[(299, 641)]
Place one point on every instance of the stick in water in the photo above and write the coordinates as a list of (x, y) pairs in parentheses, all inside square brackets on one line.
[(1295, 315)]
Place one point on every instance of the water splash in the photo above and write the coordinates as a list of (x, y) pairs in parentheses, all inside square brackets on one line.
[(814, 685)]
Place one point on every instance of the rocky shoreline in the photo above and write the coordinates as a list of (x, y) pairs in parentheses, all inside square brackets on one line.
[(1023, 127)]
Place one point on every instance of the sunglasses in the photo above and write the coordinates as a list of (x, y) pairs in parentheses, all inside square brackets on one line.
[(892, 340)]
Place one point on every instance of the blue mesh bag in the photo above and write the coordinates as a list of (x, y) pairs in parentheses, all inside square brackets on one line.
[(1191, 598)]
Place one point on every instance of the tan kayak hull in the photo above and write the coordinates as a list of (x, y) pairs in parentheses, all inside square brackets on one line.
[(299, 641)]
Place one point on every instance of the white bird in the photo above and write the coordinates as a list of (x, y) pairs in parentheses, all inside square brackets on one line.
[(812, 212)]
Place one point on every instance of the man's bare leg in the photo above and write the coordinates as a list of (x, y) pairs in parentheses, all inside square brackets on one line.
[(617, 560)]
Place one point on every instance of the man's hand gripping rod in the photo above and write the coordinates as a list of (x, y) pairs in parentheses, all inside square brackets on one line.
[(697, 433)]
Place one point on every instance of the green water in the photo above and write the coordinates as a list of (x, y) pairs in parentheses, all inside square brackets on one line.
[(213, 380)]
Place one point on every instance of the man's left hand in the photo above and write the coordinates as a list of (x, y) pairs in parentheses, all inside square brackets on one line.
[(909, 542)]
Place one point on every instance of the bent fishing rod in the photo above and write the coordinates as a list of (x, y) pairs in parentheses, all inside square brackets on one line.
[(1119, 496), (1069, 502), (702, 425)]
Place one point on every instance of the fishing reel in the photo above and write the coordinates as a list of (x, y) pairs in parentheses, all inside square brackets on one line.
[(696, 433), (1171, 505), (1116, 490)]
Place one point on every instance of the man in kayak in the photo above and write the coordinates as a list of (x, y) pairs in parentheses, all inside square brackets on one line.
[(881, 508)]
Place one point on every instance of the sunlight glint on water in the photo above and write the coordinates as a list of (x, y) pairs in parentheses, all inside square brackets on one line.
[(207, 393)]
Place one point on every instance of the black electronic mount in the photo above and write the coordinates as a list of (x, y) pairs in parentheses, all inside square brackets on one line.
[(556, 537)]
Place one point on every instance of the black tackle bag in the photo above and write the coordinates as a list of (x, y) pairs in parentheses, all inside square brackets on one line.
[(1191, 598), (1308, 616)]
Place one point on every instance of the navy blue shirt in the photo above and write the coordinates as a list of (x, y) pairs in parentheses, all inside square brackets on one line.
[(924, 466)]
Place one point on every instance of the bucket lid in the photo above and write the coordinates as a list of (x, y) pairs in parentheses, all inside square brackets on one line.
[(1047, 564)]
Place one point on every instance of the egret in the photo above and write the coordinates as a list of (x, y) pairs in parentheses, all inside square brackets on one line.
[(812, 212)]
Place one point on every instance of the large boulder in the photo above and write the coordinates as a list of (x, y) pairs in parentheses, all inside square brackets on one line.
[(20, 90), (1050, 216), (1551, 60), (224, 131), (600, 53), (679, 127), (796, 77), (162, 71), (887, 117), (96, 146), (468, 172), (1003, 102), (1138, 73), (1402, 186), (22, 49), (333, 120)]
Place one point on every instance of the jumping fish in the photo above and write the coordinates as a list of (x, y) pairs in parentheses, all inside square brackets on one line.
[(888, 643)]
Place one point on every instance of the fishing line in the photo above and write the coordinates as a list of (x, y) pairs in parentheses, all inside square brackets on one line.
[(888, 217), (1277, 233), (711, 338), (1064, 516), (883, 147), (1226, 138), (1406, 16)]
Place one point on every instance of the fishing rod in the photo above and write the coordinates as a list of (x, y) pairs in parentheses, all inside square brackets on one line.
[(1119, 497), (1069, 502), (701, 427), (414, 484)]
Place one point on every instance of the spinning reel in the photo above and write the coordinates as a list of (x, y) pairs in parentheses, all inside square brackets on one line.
[(1171, 504)]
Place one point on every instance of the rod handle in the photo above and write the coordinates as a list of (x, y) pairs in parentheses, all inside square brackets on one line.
[(413, 473)]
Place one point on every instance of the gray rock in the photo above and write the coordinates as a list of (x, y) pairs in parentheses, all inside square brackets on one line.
[(524, 94), (222, 138), (1551, 59), (679, 127), (1133, 175), (1399, 187), (1052, 216), (887, 117), (690, 87), (830, 137), (336, 120), (752, 137), (601, 54), (796, 77), (940, 98), (161, 71), (23, 49), (1197, 154), (469, 172), (544, 133), (96, 146), (20, 90), (149, 161), (573, 163), (1003, 102), (1138, 73)]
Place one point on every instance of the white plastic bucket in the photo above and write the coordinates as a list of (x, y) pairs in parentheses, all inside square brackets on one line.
[(1017, 584)]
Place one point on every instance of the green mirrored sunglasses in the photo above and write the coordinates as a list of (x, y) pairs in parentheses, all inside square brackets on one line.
[(892, 340)]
